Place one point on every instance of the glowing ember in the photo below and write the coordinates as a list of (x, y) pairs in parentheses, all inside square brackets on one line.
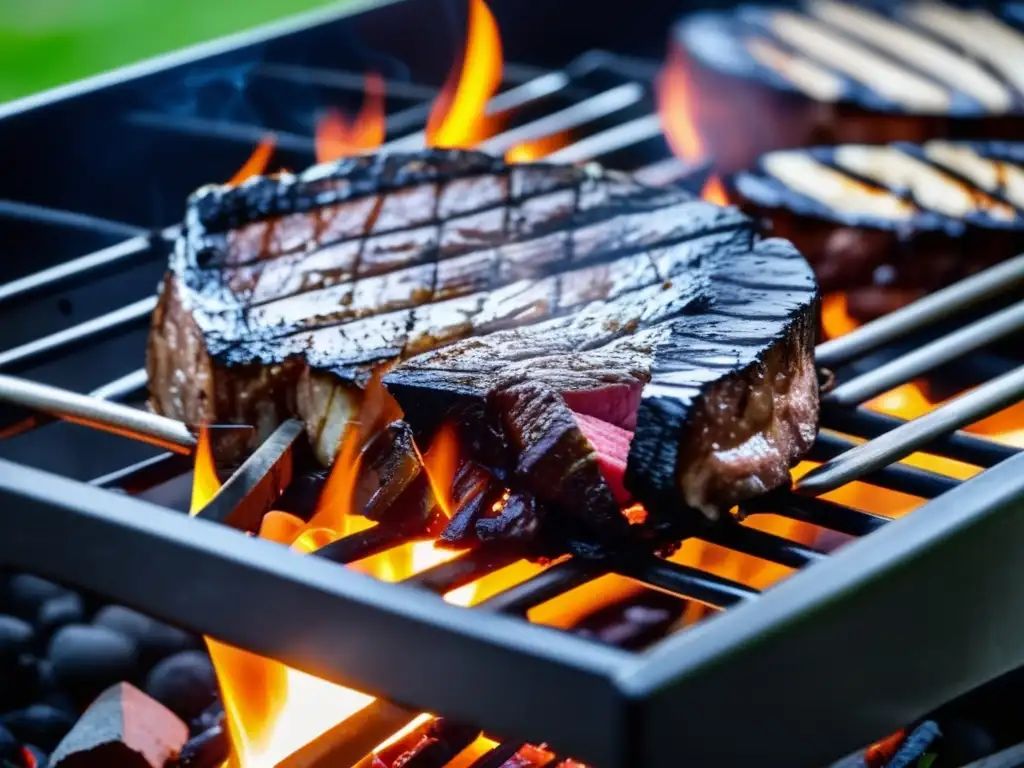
[(257, 162), (530, 151), (714, 192), (457, 118), (835, 317), (337, 137)]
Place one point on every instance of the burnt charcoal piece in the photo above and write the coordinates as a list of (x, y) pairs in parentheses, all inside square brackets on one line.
[(184, 683), (470, 281), (17, 662), (517, 519), (10, 747), (634, 623), (432, 745), (474, 492), (389, 464), (38, 724), (17, 637), (207, 750), (154, 639), (27, 593), (87, 659), (887, 225), (123, 728), (60, 611), (33, 756), (828, 71)]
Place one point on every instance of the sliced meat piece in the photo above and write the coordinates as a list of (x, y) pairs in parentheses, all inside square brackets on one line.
[(515, 299), (611, 446)]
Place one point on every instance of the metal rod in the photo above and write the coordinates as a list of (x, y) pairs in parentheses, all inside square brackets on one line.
[(685, 581), (253, 488), (902, 441), (578, 114), (896, 477), (47, 346), (928, 357), (765, 546), (110, 417), (144, 474), (624, 135), (546, 585), (351, 739), (462, 570), (961, 446), (922, 313), (821, 512), (39, 213), (125, 388)]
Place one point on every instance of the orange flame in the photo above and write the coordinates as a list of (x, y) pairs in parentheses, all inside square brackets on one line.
[(205, 482), (336, 137), (530, 151), (258, 160), (440, 463), (457, 118), (675, 108)]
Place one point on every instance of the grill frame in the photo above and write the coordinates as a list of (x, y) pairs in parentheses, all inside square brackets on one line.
[(673, 703)]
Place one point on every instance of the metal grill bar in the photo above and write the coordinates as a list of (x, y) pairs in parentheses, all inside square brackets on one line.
[(902, 441), (923, 313), (961, 446), (685, 581), (82, 267), (929, 357), (49, 347), (609, 140), (29, 212), (548, 584), (826, 514)]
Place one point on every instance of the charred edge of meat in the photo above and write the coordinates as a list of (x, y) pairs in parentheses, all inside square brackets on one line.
[(881, 263), (789, 50), (218, 208)]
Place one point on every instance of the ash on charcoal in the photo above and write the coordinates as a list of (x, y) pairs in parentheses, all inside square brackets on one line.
[(27, 593), (60, 611), (38, 724), (123, 728), (86, 659), (184, 683), (153, 639)]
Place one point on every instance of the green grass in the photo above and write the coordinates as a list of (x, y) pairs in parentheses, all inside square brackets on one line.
[(44, 43)]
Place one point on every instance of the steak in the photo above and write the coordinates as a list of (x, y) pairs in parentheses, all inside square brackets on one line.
[(595, 340), (834, 72), (886, 225)]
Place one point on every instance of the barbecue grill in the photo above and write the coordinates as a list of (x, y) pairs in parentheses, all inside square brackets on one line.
[(923, 608)]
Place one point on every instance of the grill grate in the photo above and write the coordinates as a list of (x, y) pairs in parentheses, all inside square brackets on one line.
[(666, 705)]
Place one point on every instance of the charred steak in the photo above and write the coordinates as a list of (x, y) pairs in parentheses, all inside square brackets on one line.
[(886, 225), (603, 341), (834, 71)]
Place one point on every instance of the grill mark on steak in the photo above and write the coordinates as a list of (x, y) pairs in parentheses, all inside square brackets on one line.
[(584, 288)]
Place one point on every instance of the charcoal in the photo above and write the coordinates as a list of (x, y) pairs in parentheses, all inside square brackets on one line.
[(38, 724), (17, 637), (473, 493), (60, 611), (207, 750), (303, 493), (633, 623), (185, 683), (389, 464), (10, 748), (33, 756), (86, 659), (518, 519), (432, 745), (210, 717), (123, 728), (17, 662), (27, 593), (154, 639)]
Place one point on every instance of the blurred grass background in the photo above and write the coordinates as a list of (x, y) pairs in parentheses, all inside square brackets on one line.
[(44, 43)]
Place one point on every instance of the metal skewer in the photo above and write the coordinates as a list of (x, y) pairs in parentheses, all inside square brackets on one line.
[(902, 441), (923, 312), (102, 414), (928, 357)]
